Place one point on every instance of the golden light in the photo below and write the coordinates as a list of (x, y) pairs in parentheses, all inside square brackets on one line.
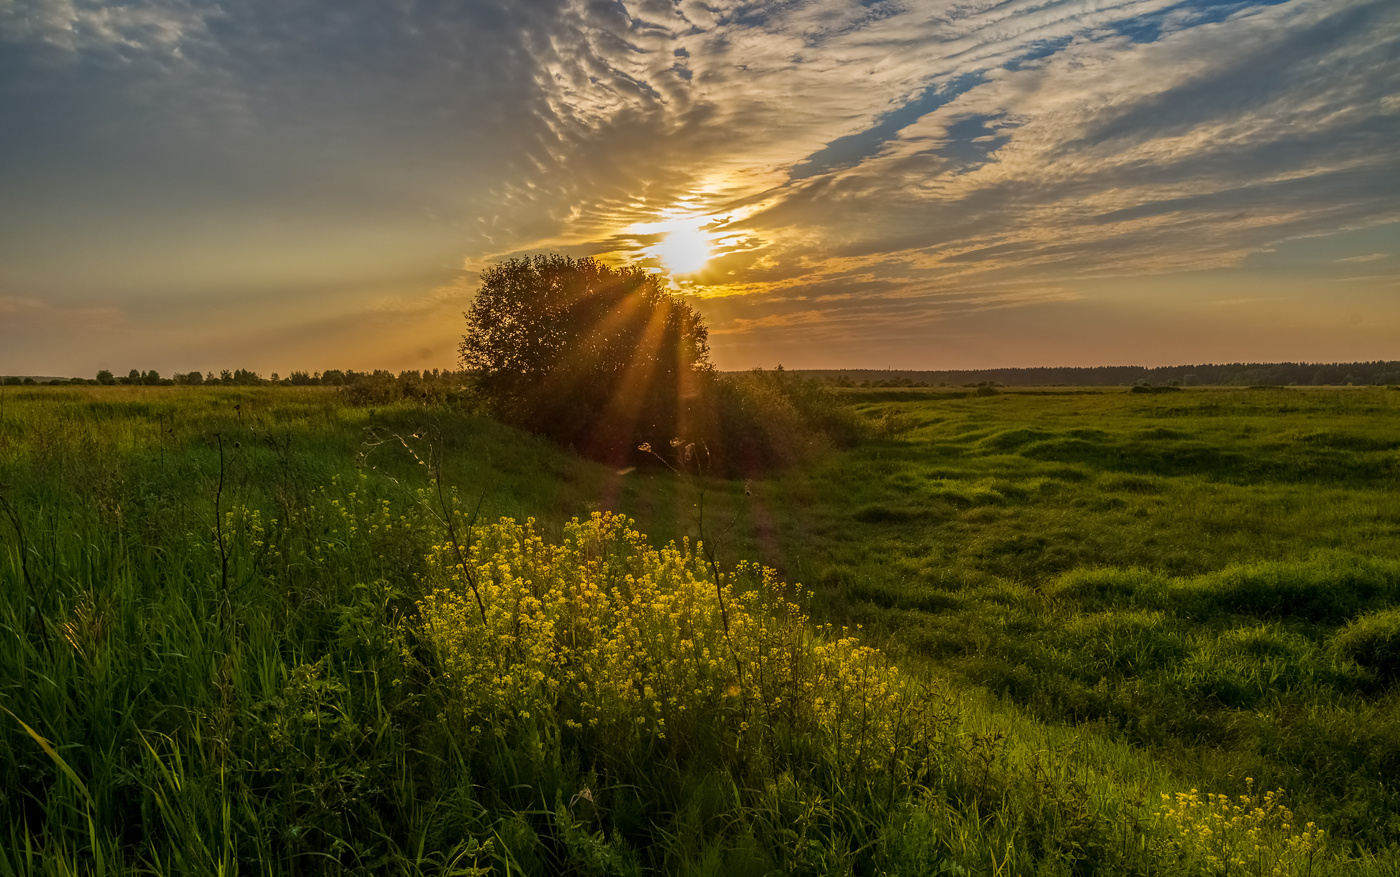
[(685, 250)]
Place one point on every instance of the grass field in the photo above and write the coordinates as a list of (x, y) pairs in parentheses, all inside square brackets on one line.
[(263, 631), (1176, 570)]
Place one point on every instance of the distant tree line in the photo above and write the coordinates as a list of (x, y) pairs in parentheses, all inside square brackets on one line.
[(412, 383), (373, 386), (1380, 372)]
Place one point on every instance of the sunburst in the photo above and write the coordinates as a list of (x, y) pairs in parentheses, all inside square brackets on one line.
[(685, 250)]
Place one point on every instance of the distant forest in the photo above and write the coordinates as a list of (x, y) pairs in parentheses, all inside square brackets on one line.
[(380, 382), (1224, 374), (375, 387), (243, 377)]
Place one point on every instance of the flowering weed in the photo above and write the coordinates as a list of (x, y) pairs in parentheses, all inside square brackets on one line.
[(1252, 834), (617, 640)]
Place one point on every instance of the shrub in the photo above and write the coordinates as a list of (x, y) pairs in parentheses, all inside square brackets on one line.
[(1373, 641), (756, 426), (767, 419)]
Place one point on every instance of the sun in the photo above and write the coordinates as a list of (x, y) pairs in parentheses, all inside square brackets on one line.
[(685, 250)]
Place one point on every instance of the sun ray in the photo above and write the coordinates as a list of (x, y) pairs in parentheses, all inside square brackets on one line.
[(628, 405)]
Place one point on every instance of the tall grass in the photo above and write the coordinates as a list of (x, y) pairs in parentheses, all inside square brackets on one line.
[(244, 632)]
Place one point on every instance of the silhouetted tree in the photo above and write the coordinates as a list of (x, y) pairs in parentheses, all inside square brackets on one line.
[(592, 356)]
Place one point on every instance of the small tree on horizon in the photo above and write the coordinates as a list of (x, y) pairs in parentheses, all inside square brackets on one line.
[(592, 356)]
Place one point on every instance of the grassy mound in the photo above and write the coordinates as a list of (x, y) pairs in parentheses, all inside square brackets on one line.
[(1373, 641)]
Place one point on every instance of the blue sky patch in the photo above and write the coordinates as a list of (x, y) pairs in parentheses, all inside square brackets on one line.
[(1191, 13), (1039, 49), (972, 141), (851, 149)]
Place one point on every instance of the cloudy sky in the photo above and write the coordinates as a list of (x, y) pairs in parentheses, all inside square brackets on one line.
[(311, 184)]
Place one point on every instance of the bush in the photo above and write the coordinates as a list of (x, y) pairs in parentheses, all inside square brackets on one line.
[(1373, 641), (769, 419)]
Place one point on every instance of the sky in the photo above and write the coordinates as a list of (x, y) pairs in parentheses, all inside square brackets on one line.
[(289, 185)]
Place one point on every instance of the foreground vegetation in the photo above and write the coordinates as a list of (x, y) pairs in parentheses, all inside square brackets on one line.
[(266, 631)]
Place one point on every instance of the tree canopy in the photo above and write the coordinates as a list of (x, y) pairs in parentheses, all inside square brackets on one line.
[(592, 356)]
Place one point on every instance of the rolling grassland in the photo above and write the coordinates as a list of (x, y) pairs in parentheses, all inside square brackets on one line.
[(263, 631)]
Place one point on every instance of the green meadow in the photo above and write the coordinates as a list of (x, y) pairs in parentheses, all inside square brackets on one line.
[(1056, 631)]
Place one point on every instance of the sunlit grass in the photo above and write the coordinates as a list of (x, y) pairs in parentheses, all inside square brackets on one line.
[(1171, 569), (1092, 600)]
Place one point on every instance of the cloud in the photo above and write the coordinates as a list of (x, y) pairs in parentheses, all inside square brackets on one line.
[(1089, 181), (1373, 280), (1255, 300), (22, 314), (1074, 150)]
